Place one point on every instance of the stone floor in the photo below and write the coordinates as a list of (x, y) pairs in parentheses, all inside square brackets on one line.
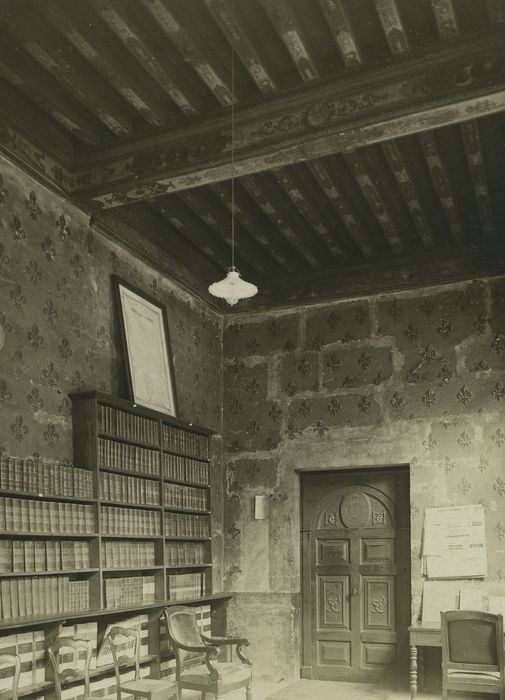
[(325, 690)]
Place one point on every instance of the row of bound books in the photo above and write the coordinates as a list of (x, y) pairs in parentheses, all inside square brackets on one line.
[(185, 469), (187, 497), (31, 649), (190, 444), (131, 590), (129, 521), (186, 525), (44, 478), (26, 515), (127, 554), (125, 425), (184, 586), (185, 554), (43, 555), (128, 458), (129, 489), (42, 595)]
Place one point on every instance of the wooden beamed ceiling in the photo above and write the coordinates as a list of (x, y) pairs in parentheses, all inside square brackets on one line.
[(369, 146)]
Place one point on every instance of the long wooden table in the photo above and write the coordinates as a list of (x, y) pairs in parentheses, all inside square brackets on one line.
[(421, 634)]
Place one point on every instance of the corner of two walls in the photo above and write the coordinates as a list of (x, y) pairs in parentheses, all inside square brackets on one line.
[(417, 377)]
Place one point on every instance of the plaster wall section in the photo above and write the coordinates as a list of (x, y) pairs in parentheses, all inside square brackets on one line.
[(60, 327), (415, 378)]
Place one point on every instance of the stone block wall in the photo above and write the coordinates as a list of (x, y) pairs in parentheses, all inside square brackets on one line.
[(414, 378)]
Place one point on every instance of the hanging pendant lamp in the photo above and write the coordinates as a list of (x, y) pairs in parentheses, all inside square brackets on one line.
[(233, 287)]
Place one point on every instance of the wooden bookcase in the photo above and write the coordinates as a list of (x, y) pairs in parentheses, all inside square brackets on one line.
[(135, 514)]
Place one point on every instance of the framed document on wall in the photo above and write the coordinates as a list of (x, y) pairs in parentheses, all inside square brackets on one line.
[(146, 348)]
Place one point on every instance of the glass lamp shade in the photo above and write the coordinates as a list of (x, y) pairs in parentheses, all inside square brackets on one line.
[(233, 287)]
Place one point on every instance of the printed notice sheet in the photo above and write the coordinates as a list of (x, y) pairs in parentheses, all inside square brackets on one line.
[(454, 542)]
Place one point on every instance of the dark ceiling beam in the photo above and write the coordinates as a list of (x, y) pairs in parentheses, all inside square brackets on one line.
[(121, 75), (54, 53), (341, 29), (410, 195), (445, 17), (476, 165), (424, 269), (214, 209), (496, 11), (237, 35), (156, 227), (341, 206), (374, 198), (288, 181), (189, 225), (442, 186), (287, 26), (190, 50), (453, 84), (262, 191), (253, 219), (392, 24), (147, 51), (46, 93)]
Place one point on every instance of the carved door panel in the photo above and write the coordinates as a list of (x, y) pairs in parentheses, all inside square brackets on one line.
[(356, 574)]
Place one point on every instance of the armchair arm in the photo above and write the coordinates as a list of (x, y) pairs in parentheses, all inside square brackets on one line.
[(239, 642), (210, 656)]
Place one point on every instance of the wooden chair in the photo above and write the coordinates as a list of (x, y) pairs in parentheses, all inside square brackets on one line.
[(125, 646), (196, 654), (74, 673), (12, 660), (472, 652)]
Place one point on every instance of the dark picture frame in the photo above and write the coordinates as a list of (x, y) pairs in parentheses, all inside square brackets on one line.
[(145, 348)]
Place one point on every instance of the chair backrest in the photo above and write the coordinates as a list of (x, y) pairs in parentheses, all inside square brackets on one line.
[(182, 628), (125, 646), (80, 661), (12, 660), (472, 640)]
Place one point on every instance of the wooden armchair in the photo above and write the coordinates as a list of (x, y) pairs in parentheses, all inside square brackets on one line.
[(12, 660), (472, 652), (125, 646), (197, 667), (73, 673)]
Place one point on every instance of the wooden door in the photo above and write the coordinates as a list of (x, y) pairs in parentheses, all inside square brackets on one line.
[(356, 574)]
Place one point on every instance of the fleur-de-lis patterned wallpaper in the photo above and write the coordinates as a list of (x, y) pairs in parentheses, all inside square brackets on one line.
[(59, 320), (414, 378)]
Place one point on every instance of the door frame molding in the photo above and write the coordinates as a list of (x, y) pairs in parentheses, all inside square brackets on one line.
[(306, 670)]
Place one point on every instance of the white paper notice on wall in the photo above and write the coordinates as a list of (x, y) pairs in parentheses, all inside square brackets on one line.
[(454, 542)]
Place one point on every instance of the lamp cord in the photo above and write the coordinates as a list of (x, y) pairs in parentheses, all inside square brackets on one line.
[(232, 158)]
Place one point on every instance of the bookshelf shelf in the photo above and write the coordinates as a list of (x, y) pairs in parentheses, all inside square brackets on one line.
[(127, 441), (174, 538), (35, 621), (178, 453), (174, 567), (127, 472), (122, 504), (190, 511), (196, 484), (123, 569), (45, 497), (52, 572), (156, 538), (49, 535)]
